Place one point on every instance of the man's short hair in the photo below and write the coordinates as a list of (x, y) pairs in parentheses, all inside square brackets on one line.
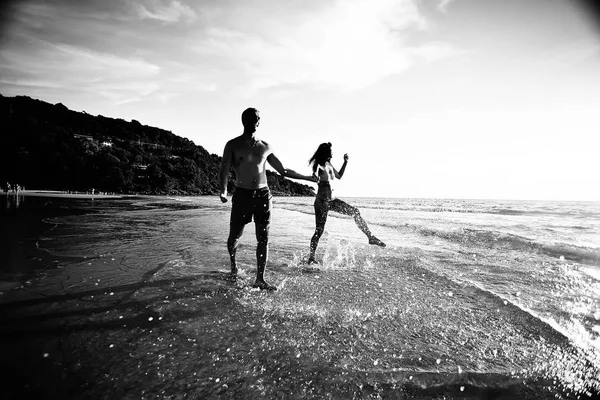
[(248, 116)]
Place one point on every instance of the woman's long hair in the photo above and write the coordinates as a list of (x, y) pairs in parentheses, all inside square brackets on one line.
[(321, 156)]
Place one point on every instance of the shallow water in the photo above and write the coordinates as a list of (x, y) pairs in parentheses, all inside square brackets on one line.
[(469, 300)]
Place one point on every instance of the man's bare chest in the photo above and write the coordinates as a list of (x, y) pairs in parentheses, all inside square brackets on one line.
[(249, 157)]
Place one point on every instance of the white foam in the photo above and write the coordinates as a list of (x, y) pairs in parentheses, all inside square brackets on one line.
[(594, 272)]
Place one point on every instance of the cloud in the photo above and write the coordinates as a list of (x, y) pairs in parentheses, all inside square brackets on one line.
[(125, 92), (227, 45), (32, 83), (434, 51), (101, 48), (52, 66), (347, 44), (444, 4), (92, 63), (165, 11)]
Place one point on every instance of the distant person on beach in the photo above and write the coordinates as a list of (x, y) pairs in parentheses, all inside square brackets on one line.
[(324, 201), (248, 156)]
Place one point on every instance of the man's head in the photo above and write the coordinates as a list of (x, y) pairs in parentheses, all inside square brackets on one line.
[(250, 118)]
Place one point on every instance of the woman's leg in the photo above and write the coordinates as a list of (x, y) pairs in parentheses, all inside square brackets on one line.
[(342, 207), (321, 209)]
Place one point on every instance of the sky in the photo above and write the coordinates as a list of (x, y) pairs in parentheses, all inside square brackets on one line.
[(474, 99)]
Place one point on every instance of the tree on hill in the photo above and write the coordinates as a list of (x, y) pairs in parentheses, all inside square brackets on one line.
[(46, 146)]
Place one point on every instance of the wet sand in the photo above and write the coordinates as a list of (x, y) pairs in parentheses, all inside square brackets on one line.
[(131, 300)]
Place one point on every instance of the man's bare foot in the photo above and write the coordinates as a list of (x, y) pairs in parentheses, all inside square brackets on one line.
[(375, 241), (233, 275), (312, 261), (262, 285)]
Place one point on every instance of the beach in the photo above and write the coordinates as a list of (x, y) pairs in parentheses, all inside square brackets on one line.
[(129, 298), (61, 194)]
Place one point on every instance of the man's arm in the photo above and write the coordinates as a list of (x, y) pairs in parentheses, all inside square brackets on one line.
[(288, 173), (224, 172)]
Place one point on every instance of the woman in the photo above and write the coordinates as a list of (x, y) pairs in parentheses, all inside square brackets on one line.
[(324, 201)]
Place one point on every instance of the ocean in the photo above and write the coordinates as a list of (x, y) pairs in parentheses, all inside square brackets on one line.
[(129, 298)]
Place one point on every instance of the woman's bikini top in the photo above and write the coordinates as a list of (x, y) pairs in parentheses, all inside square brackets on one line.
[(327, 169), (325, 192)]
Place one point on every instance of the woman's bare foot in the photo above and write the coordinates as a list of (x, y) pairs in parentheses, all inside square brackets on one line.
[(262, 285), (312, 261), (375, 241)]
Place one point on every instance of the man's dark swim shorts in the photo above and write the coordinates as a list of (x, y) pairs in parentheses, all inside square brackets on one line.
[(247, 203)]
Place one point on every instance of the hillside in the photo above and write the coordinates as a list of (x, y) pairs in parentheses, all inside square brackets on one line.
[(48, 146)]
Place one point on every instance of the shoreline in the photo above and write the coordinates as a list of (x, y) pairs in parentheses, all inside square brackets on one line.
[(82, 195), (58, 193)]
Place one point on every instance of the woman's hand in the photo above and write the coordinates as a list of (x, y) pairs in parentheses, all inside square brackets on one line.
[(346, 157)]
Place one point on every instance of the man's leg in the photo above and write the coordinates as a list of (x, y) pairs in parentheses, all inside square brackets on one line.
[(235, 233), (241, 214), (262, 255)]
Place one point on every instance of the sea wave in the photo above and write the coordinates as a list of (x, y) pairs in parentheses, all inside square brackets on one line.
[(584, 255), (507, 241), (484, 238), (489, 211), (579, 210)]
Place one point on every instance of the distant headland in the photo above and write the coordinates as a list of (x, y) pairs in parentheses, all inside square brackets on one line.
[(49, 147)]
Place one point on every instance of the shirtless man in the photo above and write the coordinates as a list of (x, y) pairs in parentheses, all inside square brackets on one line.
[(248, 156)]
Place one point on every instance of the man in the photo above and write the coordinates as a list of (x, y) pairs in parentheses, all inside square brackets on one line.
[(252, 198)]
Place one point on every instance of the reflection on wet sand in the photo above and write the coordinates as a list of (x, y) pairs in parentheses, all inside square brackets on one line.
[(130, 299)]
